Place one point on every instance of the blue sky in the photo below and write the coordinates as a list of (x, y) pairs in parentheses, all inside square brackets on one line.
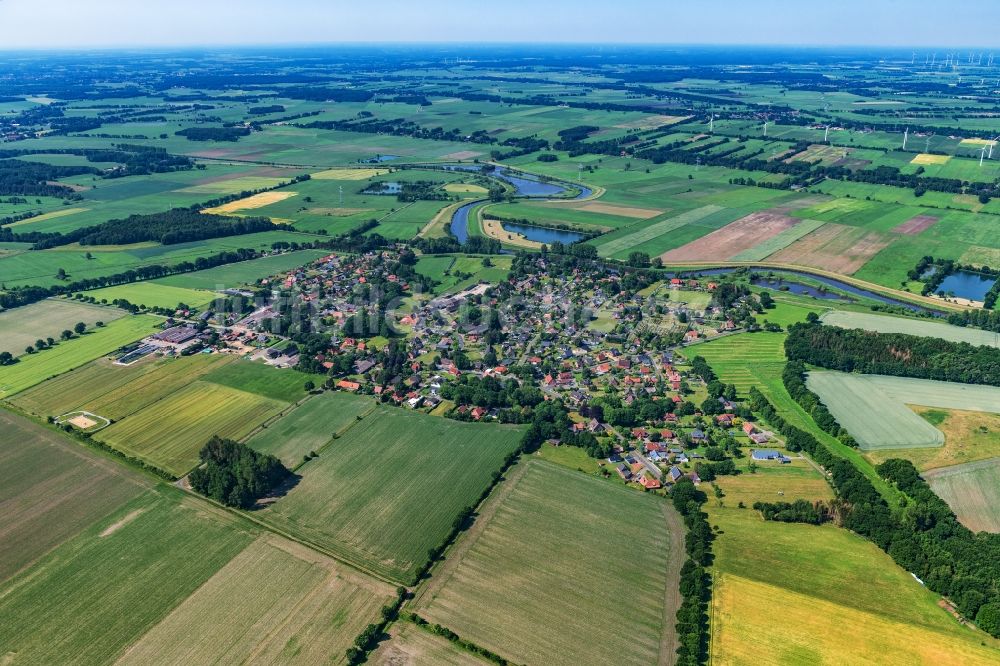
[(70, 23)]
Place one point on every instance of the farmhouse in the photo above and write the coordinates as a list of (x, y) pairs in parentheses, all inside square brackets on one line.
[(769, 454)]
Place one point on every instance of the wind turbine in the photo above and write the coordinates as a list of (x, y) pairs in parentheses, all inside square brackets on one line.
[(826, 134), (765, 128), (711, 123), (927, 143), (993, 142), (982, 155), (906, 135)]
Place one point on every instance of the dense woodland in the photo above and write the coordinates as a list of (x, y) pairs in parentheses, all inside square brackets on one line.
[(897, 354), (235, 474)]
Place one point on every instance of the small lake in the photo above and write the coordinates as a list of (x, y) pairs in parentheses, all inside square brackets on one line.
[(384, 188), (798, 288), (964, 284), (381, 158), (543, 235)]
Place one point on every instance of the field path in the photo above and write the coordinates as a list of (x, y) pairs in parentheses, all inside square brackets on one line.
[(676, 531)]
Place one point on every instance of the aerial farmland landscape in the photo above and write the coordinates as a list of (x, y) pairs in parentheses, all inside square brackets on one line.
[(553, 334)]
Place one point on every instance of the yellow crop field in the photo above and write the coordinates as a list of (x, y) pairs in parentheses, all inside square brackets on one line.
[(464, 188), (348, 174), (256, 201), (927, 158), (978, 142)]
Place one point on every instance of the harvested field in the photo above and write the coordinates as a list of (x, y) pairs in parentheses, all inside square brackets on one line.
[(544, 575), (978, 142), (464, 188), (234, 185), (50, 489), (734, 238), (926, 159), (972, 491), (968, 437), (628, 241), (170, 432), (609, 209), (915, 225), (769, 246), (834, 247), (651, 122), (390, 488), (348, 174), (21, 326), (93, 596), (256, 201), (922, 327), (462, 155), (63, 212), (409, 645), (874, 409), (281, 602)]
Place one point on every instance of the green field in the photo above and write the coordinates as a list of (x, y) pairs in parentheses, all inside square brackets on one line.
[(115, 391), (972, 491), (37, 367), (170, 432), (281, 603), (154, 295), (387, 491), (284, 384), (558, 559), (922, 327), (95, 595), (873, 407), (310, 426), (243, 272), (22, 326), (802, 578), (52, 488)]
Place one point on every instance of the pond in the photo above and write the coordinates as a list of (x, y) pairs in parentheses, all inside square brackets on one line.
[(542, 234), (965, 284), (380, 158), (384, 188)]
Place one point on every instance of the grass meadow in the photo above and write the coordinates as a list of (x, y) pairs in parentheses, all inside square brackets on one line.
[(36, 368), (153, 295), (780, 587), (388, 491), (52, 488), (310, 426), (243, 272), (559, 562), (921, 327), (20, 327)]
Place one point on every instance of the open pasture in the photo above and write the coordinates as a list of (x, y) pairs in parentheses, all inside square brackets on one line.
[(544, 572), (972, 491), (627, 241), (50, 489), (922, 327), (310, 426), (968, 436), (874, 409), (35, 368), (773, 481), (170, 432), (243, 272), (153, 295), (281, 603), (99, 592), (233, 185), (814, 574), (286, 385), (20, 327), (388, 491)]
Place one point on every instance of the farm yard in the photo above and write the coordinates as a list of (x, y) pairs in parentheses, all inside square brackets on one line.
[(505, 586), (873, 408), (340, 504), (49, 318), (972, 490)]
